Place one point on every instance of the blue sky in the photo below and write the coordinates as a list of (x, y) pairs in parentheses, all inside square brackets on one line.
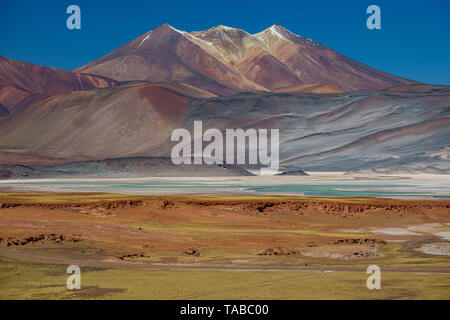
[(414, 41)]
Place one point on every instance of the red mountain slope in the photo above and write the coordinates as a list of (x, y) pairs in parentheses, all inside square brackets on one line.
[(22, 83), (224, 60)]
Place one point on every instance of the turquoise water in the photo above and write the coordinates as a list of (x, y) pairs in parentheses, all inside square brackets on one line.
[(347, 191), (201, 187)]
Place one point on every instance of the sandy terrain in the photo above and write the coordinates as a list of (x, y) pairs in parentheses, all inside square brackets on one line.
[(274, 234), (174, 225)]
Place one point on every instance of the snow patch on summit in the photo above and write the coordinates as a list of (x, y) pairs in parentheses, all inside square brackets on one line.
[(274, 31), (179, 31), (143, 40)]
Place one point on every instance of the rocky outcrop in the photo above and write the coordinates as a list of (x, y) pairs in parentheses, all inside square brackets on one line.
[(47, 238), (280, 252)]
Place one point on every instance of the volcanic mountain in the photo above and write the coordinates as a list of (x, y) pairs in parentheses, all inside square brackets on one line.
[(22, 83), (127, 104), (225, 60)]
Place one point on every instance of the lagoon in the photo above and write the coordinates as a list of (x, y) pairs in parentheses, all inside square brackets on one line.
[(320, 185)]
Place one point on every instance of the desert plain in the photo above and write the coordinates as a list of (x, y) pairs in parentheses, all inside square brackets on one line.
[(222, 247)]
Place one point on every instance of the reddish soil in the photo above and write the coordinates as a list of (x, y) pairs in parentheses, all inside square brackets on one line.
[(179, 229)]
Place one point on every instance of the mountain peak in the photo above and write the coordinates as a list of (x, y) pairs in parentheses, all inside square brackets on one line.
[(229, 59), (280, 32), (278, 27), (221, 33), (222, 28), (167, 26), (164, 29)]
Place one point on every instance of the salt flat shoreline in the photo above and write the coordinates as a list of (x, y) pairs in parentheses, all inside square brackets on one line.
[(313, 176), (330, 184)]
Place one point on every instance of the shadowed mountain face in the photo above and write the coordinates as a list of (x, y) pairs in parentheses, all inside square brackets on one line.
[(22, 83), (119, 168), (4, 112), (225, 60)]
